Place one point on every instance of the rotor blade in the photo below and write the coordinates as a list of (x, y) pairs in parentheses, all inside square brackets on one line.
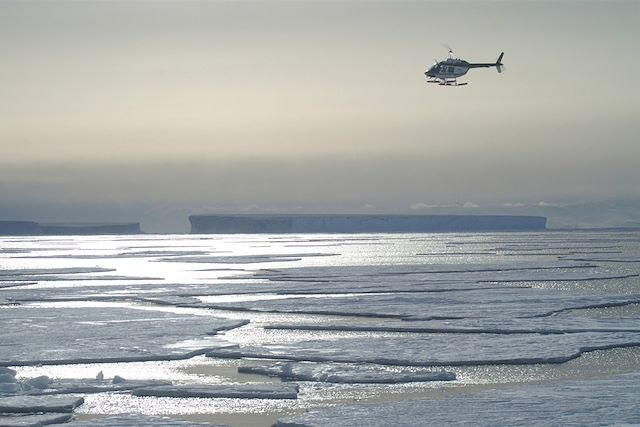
[(446, 46)]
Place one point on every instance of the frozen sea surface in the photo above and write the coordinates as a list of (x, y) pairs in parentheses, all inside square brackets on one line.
[(58, 334), (346, 374), (33, 420), (389, 319), (243, 391), (610, 401), (27, 404), (138, 421)]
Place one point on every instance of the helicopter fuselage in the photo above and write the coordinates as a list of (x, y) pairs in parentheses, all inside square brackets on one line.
[(449, 69)]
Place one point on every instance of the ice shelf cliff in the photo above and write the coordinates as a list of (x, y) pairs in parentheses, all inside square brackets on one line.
[(294, 223)]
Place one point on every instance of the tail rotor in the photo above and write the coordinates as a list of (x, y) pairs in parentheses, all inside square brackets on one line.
[(499, 64)]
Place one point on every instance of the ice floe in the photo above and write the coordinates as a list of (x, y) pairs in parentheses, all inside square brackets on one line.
[(35, 404), (358, 272), (233, 391), (70, 386), (345, 374), (537, 325), (128, 420), (607, 401), (51, 271), (245, 259), (56, 335), (434, 349), (505, 302), (606, 259), (133, 254), (34, 420)]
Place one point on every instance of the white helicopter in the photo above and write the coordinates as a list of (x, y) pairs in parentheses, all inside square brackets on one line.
[(446, 72)]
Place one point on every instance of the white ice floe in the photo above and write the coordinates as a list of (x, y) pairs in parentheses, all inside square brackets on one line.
[(77, 278), (496, 302), (48, 335), (70, 386), (359, 272), (562, 276), (41, 382), (19, 272), (245, 259), (10, 373), (7, 378), (608, 401), (434, 349), (346, 374), (536, 325), (36, 404), (9, 388), (34, 420), (233, 391), (606, 259), (133, 254), (128, 420)]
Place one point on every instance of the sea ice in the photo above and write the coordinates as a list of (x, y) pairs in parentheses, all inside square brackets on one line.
[(133, 254), (51, 271), (42, 382), (346, 374), (103, 334), (70, 386), (606, 259), (245, 259), (34, 420), (607, 401), (433, 349), (35, 404), (233, 391), (365, 272), (536, 325), (9, 388), (501, 302), (128, 420)]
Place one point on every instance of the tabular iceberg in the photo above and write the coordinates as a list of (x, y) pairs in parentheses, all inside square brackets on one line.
[(293, 223)]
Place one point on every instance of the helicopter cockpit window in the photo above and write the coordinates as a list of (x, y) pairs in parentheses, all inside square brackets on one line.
[(451, 69)]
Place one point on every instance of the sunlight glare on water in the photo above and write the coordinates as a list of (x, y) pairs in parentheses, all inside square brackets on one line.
[(290, 280)]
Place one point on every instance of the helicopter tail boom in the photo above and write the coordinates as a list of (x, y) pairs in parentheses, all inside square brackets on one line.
[(498, 64)]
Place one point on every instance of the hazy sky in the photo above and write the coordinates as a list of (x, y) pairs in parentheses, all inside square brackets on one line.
[(312, 106)]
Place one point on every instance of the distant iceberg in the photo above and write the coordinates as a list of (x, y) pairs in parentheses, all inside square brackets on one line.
[(294, 223)]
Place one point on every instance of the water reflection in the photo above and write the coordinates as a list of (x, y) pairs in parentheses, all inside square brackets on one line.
[(140, 257)]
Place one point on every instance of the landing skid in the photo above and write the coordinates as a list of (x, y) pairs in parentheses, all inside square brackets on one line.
[(452, 83), (447, 82)]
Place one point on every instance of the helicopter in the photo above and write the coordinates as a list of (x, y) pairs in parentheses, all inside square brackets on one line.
[(446, 72)]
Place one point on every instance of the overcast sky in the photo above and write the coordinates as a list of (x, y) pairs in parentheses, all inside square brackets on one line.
[(193, 107)]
